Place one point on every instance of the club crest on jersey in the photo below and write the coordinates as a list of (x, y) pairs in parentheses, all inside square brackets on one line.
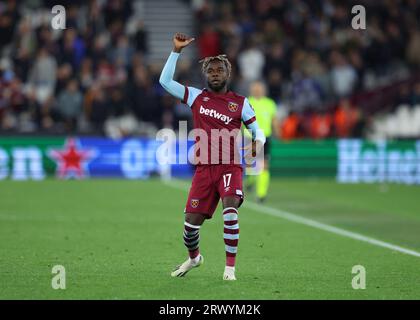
[(194, 203), (233, 107), (205, 99)]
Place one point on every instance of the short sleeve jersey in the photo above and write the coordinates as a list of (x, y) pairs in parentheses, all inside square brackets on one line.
[(219, 118)]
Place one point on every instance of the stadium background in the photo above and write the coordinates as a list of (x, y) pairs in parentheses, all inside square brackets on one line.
[(348, 108)]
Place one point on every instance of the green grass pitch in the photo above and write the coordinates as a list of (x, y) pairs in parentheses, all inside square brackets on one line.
[(120, 240)]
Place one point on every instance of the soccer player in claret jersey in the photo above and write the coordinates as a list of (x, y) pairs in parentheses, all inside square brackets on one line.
[(213, 108)]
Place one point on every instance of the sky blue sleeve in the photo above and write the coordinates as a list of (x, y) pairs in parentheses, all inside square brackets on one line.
[(249, 119), (166, 77), (192, 93), (247, 112), (186, 94)]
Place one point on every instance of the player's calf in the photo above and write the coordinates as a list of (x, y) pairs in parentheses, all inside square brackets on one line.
[(231, 238), (192, 239)]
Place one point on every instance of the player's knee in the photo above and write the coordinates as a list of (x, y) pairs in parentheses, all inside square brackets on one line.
[(195, 219), (231, 202)]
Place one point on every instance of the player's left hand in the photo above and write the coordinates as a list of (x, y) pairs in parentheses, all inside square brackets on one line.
[(251, 151)]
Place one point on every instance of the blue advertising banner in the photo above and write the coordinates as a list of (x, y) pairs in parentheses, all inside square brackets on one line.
[(129, 158), (83, 157)]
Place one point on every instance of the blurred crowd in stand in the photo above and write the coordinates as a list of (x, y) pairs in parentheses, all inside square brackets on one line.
[(95, 77)]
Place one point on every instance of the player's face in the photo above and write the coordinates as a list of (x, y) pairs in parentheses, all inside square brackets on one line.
[(217, 75)]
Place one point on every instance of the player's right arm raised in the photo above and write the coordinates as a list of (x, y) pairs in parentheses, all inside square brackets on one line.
[(166, 77)]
